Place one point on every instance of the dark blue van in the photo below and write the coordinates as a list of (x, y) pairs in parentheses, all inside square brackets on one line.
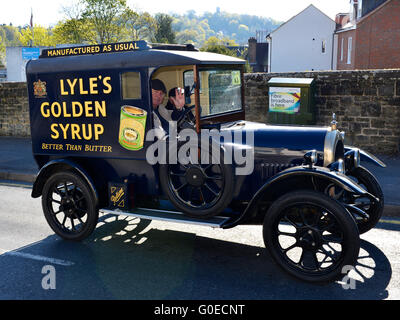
[(96, 141)]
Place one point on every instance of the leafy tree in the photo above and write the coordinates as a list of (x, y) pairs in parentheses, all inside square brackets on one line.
[(2, 52), (187, 36), (40, 37), (74, 28), (9, 35), (216, 45), (74, 31), (138, 26), (104, 15), (164, 33)]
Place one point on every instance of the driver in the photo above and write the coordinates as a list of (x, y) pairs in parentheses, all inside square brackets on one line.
[(164, 116)]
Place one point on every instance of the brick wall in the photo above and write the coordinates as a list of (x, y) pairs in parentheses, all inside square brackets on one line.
[(343, 40), (378, 38), (14, 113), (367, 104)]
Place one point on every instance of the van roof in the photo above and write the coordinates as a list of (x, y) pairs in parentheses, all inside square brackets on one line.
[(128, 59)]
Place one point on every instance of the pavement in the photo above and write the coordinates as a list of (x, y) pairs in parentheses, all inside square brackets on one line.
[(18, 165)]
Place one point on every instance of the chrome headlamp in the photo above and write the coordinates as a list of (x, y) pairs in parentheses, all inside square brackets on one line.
[(352, 158), (311, 158), (338, 166)]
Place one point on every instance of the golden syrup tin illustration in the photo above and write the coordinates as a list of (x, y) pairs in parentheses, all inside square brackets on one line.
[(132, 127)]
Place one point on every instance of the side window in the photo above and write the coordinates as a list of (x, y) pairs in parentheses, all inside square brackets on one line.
[(349, 48), (323, 47), (130, 83)]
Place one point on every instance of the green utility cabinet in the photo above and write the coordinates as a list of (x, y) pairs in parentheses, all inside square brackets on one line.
[(291, 101)]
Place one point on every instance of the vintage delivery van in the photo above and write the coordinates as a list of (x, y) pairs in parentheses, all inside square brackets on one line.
[(96, 144)]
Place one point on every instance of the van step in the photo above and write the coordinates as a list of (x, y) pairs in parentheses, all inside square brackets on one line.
[(170, 216)]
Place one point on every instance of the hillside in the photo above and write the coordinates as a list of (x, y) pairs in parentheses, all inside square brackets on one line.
[(191, 27)]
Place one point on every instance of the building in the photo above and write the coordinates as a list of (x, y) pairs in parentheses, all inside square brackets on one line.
[(303, 43), (16, 60), (368, 37), (257, 55), (18, 57)]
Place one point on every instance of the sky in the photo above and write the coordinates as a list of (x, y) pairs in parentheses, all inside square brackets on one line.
[(49, 12)]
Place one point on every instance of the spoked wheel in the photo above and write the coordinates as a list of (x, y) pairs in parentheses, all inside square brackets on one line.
[(365, 211), (311, 236), (69, 206), (199, 190), (197, 185)]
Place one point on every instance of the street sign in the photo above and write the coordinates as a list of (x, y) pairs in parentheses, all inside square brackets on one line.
[(30, 53)]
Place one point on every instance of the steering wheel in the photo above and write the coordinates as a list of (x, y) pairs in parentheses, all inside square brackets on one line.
[(187, 119)]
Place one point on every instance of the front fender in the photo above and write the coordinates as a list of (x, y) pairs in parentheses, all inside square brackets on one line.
[(366, 156), (321, 172), (59, 165)]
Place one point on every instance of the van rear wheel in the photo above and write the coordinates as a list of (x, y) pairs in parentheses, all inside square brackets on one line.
[(69, 206)]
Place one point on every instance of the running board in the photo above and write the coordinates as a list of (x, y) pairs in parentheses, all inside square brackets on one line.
[(169, 216)]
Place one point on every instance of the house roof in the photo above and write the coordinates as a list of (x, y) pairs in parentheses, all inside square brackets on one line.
[(292, 18)]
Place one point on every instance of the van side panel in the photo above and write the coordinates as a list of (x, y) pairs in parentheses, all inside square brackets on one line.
[(80, 116)]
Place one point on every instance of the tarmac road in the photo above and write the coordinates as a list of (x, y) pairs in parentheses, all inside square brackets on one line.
[(128, 258)]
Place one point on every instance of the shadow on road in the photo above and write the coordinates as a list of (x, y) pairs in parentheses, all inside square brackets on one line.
[(127, 259)]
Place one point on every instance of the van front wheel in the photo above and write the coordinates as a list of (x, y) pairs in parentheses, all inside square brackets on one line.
[(311, 236), (69, 206)]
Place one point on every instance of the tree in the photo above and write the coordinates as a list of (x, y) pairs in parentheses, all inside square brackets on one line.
[(2, 52), (186, 36), (138, 26), (217, 45), (164, 33), (74, 28), (74, 31), (40, 37), (105, 15)]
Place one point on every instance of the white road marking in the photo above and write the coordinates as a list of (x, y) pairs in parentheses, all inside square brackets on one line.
[(37, 257)]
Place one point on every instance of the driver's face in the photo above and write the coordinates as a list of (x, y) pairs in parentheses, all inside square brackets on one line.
[(158, 97)]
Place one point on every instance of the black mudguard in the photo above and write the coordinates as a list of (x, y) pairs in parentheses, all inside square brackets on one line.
[(56, 166), (332, 176)]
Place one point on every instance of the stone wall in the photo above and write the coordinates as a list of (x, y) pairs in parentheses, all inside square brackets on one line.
[(367, 104), (14, 112)]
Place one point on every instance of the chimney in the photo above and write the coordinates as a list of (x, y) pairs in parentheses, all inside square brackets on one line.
[(252, 50), (341, 20)]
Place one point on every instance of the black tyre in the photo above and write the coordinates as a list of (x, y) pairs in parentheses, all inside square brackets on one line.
[(298, 233), (374, 209), (199, 190), (69, 206)]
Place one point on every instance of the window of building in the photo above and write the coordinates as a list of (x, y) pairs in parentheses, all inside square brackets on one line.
[(359, 9), (349, 48), (341, 49), (323, 48), (131, 88)]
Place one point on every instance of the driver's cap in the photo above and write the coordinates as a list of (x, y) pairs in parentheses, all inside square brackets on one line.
[(157, 84)]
